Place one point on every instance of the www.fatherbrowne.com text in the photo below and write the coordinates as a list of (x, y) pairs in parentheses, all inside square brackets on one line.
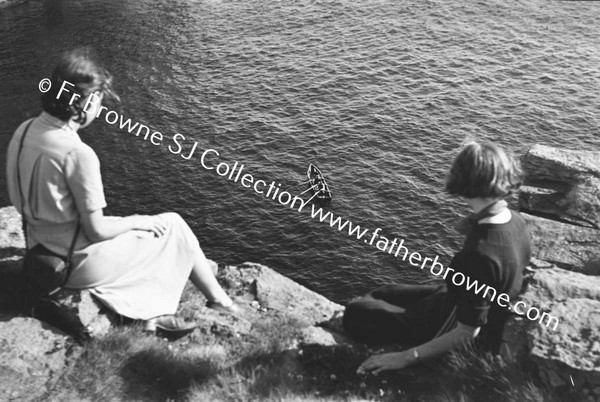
[(209, 159)]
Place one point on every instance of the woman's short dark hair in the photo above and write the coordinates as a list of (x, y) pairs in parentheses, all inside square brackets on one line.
[(79, 68), (483, 170)]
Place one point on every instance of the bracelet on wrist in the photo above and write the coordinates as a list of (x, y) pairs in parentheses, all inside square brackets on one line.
[(416, 355)]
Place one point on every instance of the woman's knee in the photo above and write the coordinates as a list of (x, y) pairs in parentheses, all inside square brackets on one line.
[(354, 315), (171, 217), (175, 221), (179, 228), (377, 293), (361, 324)]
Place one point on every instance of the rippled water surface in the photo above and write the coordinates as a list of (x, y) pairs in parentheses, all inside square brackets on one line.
[(378, 93)]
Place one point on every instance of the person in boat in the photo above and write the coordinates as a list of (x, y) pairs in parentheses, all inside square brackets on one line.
[(322, 188), (137, 265), (316, 183), (439, 318)]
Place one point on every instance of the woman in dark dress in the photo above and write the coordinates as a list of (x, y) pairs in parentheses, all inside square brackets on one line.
[(440, 318)]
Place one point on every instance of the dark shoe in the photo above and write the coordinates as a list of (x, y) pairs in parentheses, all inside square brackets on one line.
[(233, 309), (170, 326)]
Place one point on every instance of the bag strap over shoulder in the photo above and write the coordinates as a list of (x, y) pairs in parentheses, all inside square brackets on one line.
[(68, 263), (21, 196)]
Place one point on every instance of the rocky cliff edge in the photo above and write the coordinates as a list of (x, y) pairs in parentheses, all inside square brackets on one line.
[(561, 203)]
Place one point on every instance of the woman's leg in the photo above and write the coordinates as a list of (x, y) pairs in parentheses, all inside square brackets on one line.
[(374, 321), (204, 279), (403, 295), (379, 316)]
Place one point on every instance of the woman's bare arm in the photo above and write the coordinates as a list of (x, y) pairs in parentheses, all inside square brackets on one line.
[(97, 227), (399, 360)]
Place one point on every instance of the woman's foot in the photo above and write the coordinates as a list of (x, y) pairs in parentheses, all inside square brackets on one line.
[(229, 308)]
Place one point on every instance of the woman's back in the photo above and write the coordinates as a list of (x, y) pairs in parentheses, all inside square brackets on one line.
[(59, 176)]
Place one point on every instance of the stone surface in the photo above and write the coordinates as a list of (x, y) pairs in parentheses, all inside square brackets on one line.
[(79, 307), (562, 183), (559, 284), (266, 300), (92, 315), (12, 242), (274, 291), (260, 291), (32, 357), (12, 250), (317, 336), (6, 3), (564, 187), (568, 246), (573, 348), (214, 322)]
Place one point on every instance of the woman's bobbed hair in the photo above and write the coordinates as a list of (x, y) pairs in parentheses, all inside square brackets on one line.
[(79, 68), (483, 171)]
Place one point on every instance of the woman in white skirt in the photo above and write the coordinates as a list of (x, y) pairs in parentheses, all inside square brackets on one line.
[(136, 265)]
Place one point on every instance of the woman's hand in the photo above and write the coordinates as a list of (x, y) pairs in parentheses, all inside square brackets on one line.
[(385, 362), (148, 223)]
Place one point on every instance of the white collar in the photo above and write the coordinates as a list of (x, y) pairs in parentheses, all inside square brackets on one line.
[(503, 217), (50, 120)]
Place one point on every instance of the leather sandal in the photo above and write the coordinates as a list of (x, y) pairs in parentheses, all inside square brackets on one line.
[(170, 326)]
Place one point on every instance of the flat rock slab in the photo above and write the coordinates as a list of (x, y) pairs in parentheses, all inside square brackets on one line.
[(562, 183), (32, 357), (572, 349), (266, 299), (7, 3), (87, 310), (568, 246), (318, 336), (558, 284), (12, 242), (276, 292)]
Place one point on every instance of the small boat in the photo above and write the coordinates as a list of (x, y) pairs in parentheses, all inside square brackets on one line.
[(318, 184)]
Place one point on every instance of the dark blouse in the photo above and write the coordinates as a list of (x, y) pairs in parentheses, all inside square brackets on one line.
[(494, 255)]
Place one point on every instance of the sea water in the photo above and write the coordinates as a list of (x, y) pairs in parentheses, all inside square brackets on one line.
[(379, 94)]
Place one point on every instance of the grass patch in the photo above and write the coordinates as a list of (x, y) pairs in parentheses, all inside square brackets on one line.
[(470, 376), (129, 365)]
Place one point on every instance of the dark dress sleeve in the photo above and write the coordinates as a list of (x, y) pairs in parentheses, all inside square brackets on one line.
[(471, 307)]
